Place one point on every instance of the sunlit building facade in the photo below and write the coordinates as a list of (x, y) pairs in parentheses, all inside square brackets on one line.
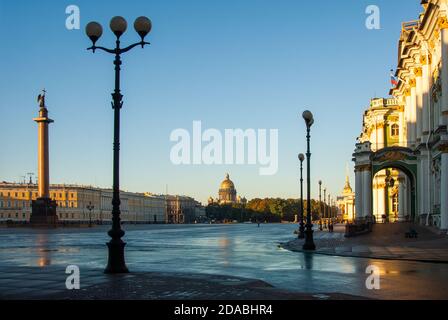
[(74, 201), (401, 158), (384, 127)]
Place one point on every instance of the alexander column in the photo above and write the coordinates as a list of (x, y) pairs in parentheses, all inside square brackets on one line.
[(43, 208)]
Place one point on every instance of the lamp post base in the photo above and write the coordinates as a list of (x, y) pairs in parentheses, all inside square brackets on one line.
[(301, 232), (309, 243), (116, 263)]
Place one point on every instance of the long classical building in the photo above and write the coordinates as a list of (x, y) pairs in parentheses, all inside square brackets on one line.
[(401, 158), (74, 201)]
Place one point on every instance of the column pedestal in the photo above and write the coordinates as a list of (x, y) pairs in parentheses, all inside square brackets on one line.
[(44, 212)]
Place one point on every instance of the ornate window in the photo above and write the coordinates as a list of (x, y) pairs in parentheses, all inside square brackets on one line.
[(395, 130)]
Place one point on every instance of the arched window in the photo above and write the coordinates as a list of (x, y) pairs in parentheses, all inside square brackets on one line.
[(395, 130)]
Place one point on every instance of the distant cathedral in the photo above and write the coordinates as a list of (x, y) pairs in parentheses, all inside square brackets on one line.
[(346, 202), (227, 194)]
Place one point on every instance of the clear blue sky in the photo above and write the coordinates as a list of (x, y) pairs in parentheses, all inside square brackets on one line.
[(230, 64)]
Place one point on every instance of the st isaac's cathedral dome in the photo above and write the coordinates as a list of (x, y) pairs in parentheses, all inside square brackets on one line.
[(227, 191)]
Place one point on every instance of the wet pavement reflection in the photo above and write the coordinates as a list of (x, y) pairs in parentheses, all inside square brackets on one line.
[(239, 250)]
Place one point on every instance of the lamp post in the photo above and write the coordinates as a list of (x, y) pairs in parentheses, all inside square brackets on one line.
[(118, 25), (90, 207), (320, 198), (325, 203), (302, 224), (320, 205), (309, 242)]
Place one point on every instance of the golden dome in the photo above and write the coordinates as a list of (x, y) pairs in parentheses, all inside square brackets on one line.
[(227, 183)]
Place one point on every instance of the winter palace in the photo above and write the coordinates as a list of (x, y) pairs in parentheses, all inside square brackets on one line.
[(401, 156)]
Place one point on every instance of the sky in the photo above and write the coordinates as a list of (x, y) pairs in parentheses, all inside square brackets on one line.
[(252, 64)]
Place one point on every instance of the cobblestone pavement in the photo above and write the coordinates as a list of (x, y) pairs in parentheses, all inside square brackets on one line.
[(49, 283), (387, 241)]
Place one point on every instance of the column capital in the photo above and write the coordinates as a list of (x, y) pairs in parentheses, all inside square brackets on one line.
[(443, 22), (418, 71), (425, 59), (407, 92), (412, 83)]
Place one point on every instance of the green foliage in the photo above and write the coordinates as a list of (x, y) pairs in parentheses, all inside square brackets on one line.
[(268, 209)]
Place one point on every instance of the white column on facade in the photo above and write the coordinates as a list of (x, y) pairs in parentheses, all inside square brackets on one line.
[(402, 123), (380, 135), (358, 193), (444, 191), (408, 195), (401, 198), (367, 192), (419, 188), (375, 196), (381, 209), (443, 23), (419, 97), (424, 182), (407, 118), (426, 95), (413, 114)]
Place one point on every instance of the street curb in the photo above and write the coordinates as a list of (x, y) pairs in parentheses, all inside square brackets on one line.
[(363, 257)]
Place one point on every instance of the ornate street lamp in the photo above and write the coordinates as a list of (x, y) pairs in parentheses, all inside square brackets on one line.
[(118, 25), (302, 224), (90, 207), (309, 242)]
